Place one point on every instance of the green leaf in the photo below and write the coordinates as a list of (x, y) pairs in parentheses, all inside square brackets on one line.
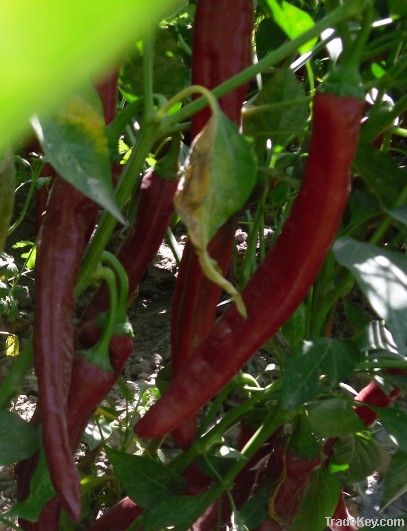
[(219, 178), (294, 330), (394, 421), (41, 491), (280, 111), (43, 61), (177, 511), (331, 358), (333, 417), (7, 187), (75, 143), (170, 73), (292, 20), (18, 439), (254, 510), (302, 441), (382, 276), (146, 481), (356, 456), (382, 175), (319, 502), (395, 480), (400, 214)]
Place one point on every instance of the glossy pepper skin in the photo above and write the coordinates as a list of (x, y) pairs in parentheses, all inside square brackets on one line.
[(155, 208), (281, 282), (213, 62), (62, 242)]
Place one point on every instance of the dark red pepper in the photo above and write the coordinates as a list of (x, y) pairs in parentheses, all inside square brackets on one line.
[(62, 242), (281, 282), (221, 49)]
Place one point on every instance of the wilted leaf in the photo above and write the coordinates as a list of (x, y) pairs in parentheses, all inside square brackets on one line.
[(220, 175)]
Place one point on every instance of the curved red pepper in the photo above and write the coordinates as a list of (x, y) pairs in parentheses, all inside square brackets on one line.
[(61, 246), (68, 222), (221, 49), (281, 282)]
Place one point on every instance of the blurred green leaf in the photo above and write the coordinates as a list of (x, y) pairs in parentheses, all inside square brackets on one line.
[(382, 276), (292, 20), (47, 49)]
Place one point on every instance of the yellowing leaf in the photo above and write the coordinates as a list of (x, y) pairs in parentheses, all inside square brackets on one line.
[(12, 346), (219, 177)]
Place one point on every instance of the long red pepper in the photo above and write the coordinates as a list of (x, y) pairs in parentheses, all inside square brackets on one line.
[(62, 242), (283, 279), (66, 228), (221, 49)]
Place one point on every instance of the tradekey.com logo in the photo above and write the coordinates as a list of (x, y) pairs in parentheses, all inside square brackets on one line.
[(360, 521)]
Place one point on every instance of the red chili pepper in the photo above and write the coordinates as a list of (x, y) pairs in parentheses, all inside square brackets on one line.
[(221, 49), (118, 518), (67, 224), (89, 383), (373, 394), (281, 282), (341, 514), (61, 246)]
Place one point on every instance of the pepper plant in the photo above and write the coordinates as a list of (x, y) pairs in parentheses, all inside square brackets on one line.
[(264, 117)]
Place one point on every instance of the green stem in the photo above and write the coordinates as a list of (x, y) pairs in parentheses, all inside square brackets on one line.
[(125, 189), (122, 280), (272, 422), (343, 12), (184, 93), (210, 438), (98, 354)]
